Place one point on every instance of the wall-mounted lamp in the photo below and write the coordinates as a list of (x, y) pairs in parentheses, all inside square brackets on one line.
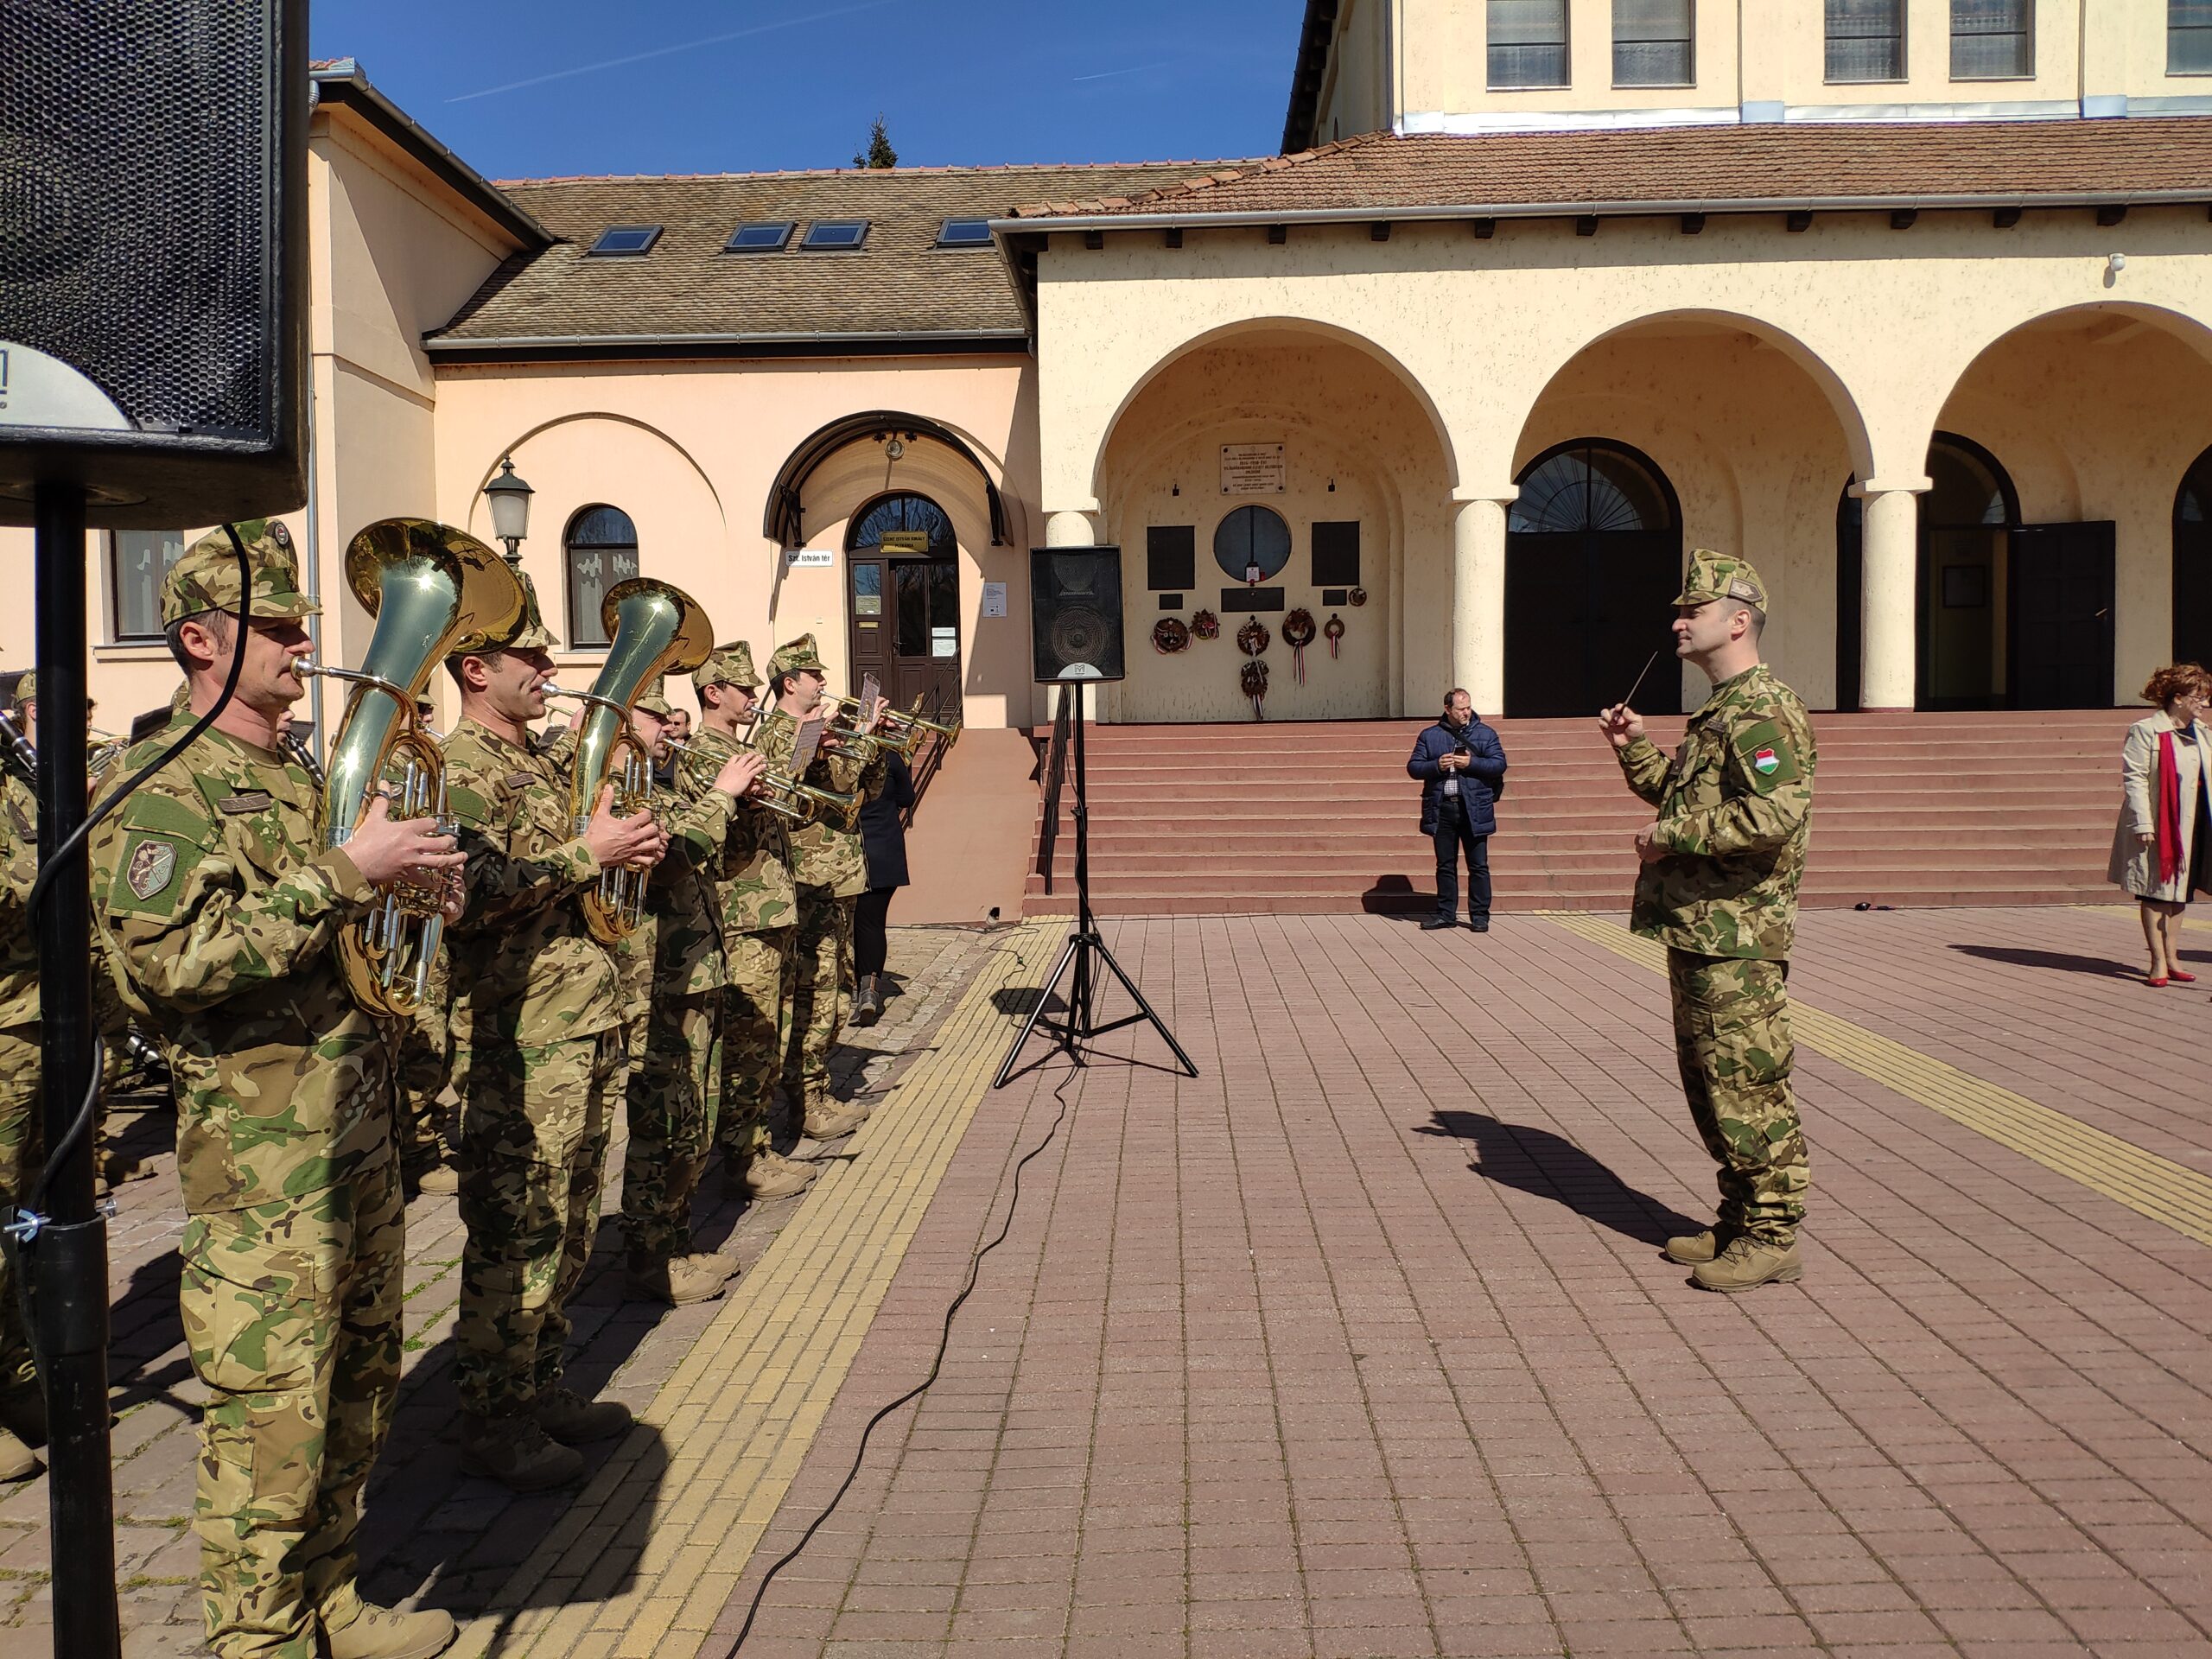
[(510, 499), (2114, 263)]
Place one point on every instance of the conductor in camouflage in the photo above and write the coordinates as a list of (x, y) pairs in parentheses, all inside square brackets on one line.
[(223, 909), (1717, 887)]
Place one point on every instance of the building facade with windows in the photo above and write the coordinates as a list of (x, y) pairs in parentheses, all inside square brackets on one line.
[(1908, 300)]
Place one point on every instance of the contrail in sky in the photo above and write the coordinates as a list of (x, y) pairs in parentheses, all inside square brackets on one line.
[(1109, 74), (668, 51)]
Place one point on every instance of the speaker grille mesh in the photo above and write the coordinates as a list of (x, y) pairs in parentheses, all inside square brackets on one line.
[(138, 185)]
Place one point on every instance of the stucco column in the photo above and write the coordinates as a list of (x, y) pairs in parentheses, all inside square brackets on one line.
[(1889, 566), (1478, 598), (1072, 526)]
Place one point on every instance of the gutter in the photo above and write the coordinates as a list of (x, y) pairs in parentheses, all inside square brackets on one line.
[(345, 84), (571, 348), (1630, 209)]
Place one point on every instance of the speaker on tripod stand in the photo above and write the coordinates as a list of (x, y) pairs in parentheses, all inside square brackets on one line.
[(1075, 628), (153, 376)]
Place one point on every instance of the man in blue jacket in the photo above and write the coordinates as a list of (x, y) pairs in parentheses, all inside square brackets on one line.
[(1462, 768)]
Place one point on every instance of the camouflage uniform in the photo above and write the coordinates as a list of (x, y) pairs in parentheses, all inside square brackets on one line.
[(537, 1006), (223, 909), (675, 966), (1735, 807), (422, 1061), (830, 872), (753, 889), (21, 1141)]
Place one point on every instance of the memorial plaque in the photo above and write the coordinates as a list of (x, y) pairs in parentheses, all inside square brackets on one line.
[(1253, 469)]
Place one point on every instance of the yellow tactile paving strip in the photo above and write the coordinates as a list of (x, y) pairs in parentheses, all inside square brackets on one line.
[(2171, 1194), (696, 1483)]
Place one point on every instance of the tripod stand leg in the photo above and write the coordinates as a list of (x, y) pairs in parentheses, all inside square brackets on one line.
[(1066, 1032), (1144, 1008)]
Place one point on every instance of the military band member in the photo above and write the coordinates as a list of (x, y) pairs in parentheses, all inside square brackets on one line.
[(758, 908), (1718, 887), (224, 910), (831, 873), (676, 973), (23, 1409), (537, 1004)]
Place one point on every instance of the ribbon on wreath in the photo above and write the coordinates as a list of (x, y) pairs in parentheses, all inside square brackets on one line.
[(1297, 634), (1334, 627), (1254, 680), (1205, 625)]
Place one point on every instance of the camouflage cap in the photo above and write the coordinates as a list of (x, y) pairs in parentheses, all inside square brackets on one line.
[(207, 577), (798, 654), (1714, 576), (531, 633), (730, 665), (27, 688), (654, 699)]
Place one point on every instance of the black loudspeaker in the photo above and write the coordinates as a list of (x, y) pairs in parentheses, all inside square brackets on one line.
[(153, 258), (1075, 613)]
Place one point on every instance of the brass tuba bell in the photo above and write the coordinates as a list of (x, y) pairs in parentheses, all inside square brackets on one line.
[(434, 590), (656, 629)]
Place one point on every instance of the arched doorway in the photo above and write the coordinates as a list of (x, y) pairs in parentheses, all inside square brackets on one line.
[(2193, 563), (1593, 560), (903, 600), (1964, 584)]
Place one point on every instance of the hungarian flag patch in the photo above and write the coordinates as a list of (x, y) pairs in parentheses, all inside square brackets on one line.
[(1765, 761)]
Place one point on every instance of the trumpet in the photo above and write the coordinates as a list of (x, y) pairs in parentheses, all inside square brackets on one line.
[(912, 730), (790, 797), (657, 629), (433, 590), (871, 744)]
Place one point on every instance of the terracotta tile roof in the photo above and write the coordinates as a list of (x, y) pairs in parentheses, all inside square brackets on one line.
[(1814, 163), (898, 284)]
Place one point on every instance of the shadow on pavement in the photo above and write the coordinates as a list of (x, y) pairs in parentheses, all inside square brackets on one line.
[(1538, 1161), (2063, 962)]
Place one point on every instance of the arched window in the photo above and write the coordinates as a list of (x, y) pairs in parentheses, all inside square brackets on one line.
[(1591, 486), (2193, 563), (902, 516), (1967, 487), (603, 550), (1250, 538)]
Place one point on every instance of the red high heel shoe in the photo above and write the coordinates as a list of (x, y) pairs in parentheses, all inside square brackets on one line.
[(2180, 978), (2158, 983)]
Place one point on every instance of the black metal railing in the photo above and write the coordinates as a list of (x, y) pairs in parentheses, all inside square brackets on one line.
[(1056, 767)]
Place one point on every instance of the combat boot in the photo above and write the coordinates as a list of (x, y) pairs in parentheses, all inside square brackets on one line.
[(1748, 1262), (1691, 1249), (17, 1461), (867, 1004), (833, 1118), (568, 1417), (769, 1174), (518, 1453), (677, 1280), (352, 1629)]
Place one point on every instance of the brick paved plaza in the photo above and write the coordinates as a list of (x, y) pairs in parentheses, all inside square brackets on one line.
[(1362, 1344)]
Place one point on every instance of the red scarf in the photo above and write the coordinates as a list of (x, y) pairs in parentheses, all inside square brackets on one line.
[(2169, 811)]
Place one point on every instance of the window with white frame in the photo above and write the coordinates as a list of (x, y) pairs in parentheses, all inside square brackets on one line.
[(1866, 40), (2189, 37), (137, 561), (603, 550), (1655, 42), (1992, 39), (1527, 43)]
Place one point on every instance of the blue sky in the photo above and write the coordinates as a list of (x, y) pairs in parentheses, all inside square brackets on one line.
[(726, 86)]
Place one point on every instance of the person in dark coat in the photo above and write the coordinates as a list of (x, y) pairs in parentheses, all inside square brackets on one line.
[(883, 838), (1462, 768)]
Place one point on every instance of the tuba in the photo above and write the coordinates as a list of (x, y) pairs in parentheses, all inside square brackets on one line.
[(656, 629), (433, 591)]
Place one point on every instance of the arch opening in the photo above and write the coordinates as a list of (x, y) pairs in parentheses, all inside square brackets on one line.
[(783, 522)]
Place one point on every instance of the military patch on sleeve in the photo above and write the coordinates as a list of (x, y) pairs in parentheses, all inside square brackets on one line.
[(1766, 761), (151, 866)]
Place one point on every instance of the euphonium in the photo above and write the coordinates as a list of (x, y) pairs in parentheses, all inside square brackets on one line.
[(433, 590), (656, 629)]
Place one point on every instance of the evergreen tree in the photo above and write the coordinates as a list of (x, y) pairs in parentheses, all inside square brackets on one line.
[(880, 153)]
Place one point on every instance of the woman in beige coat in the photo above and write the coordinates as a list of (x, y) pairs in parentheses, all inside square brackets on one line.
[(2165, 802)]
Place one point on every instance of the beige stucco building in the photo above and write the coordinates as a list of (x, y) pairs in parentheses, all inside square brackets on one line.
[(1910, 300)]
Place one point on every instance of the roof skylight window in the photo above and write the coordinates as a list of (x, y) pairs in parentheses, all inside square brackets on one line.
[(759, 236), (626, 238), (836, 233), (964, 234)]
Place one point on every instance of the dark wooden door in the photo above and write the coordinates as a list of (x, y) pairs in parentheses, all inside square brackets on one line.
[(2059, 652), (1583, 611), (2193, 591), (905, 627)]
